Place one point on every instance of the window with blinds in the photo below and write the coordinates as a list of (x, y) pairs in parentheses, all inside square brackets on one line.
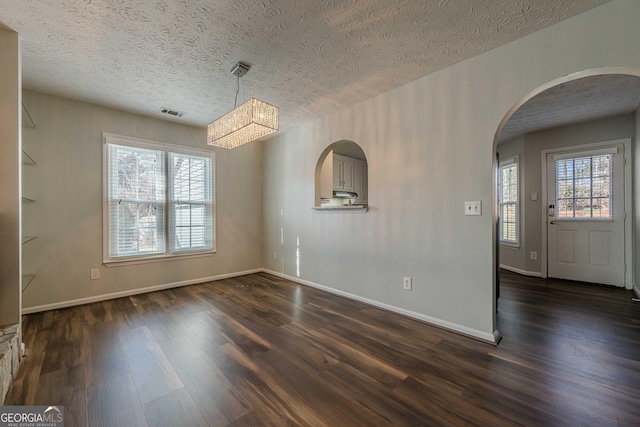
[(583, 187), (508, 193), (158, 200), (190, 202)]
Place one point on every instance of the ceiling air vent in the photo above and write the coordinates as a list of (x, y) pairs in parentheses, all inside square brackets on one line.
[(171, 112)]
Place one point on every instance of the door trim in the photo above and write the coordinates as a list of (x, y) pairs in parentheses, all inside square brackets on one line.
[(628, 203)]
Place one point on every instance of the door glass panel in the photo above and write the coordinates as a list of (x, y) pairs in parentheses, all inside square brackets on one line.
[(583, 187)]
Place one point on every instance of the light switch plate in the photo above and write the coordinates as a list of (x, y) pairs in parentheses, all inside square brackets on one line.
[(473, 208), (534, 196)]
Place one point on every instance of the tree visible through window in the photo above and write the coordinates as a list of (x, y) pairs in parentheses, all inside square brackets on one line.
[(508, 193), (159, 201), (583, 187)]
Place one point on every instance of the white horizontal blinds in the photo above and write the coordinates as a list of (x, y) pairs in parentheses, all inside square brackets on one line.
[(583, 187), (136, 201), (190, 199), (509, 203)]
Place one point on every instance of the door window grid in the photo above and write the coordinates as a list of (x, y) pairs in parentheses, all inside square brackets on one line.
[(583, 187)]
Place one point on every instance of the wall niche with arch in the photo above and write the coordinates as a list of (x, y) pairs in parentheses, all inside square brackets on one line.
[(341, 178)]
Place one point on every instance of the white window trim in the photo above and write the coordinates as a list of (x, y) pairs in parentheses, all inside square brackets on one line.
[(509, 243), (111, 138)]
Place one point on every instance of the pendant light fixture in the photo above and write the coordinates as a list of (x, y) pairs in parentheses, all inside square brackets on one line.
[(245, 123)]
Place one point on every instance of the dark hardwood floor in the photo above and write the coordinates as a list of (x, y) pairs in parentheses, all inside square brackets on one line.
[(259, 350)]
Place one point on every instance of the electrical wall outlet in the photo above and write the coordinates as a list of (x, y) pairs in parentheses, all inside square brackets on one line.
[(275, 254), (406, 283), (533, 255), (95, 273)]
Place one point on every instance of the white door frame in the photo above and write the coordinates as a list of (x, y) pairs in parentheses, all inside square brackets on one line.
[(628, 203)]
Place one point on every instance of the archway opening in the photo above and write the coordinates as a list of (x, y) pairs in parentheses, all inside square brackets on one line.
[(341, 176), (569, 114)]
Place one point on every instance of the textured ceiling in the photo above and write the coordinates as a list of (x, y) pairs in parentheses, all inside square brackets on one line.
[(309, 57), (576, 101)]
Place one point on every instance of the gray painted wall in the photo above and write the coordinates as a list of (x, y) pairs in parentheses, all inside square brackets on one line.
[(67, 217), (430, 147), (10, 155)]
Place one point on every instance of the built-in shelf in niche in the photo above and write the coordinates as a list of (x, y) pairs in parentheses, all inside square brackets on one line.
[(27, 121), (27, 159), (26, 280), (27, 239)]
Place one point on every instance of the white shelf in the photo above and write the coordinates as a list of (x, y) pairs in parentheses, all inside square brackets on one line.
[(352, 208), (27, 159), (26, 280), (27, 239)]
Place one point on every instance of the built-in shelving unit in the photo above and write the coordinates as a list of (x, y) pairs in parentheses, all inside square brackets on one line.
[(27, 160)]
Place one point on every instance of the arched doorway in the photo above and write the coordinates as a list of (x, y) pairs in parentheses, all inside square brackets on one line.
[(584, 97)]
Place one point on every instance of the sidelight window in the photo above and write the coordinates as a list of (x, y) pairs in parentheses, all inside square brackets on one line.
[(509, 201)]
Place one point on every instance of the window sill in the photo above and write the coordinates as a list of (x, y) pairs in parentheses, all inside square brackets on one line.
[(510, 245), (351, 208), (159, 258)]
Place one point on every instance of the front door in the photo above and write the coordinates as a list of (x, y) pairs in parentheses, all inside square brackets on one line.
[(585, 219)]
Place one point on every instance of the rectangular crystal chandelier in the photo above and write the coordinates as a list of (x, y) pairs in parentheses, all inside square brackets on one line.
[(248, 122)]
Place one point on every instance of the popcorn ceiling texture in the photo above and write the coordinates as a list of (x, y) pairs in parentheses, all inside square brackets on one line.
[(575, 101), (308, 57)]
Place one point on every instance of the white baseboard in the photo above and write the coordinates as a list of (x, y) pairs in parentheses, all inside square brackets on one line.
[(496, 337), (637, 291), (474, 333), (114, 295), (483, 336), (522, 272)]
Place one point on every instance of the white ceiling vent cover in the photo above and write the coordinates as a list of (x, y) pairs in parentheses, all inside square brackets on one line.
[(171, 112)]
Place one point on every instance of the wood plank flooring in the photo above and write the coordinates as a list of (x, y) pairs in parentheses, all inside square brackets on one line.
[(258, 350)]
